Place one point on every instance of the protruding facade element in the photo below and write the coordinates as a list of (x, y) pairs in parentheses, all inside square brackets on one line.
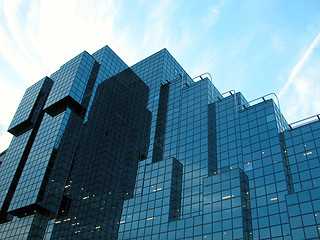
[(30, 107)]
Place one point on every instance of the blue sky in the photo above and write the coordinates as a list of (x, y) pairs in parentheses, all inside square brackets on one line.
[(256, 47)]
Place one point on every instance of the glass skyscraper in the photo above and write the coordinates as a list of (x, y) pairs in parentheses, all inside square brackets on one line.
[(101, 150)]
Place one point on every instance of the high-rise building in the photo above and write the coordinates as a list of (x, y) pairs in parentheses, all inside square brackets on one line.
[(104, 151)]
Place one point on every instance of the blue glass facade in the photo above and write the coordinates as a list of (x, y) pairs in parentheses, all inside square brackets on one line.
[(104, 151)]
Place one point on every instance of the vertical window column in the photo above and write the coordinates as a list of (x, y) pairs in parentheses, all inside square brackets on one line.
[(286, 163), (161, 124), (176, 191), (212, 139)]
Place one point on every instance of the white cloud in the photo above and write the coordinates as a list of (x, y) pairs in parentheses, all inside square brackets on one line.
[(10, 97), (300, 94), (159, 30), (15, 44), (213, 14), (299, 65), (301, 100), (211, 17)]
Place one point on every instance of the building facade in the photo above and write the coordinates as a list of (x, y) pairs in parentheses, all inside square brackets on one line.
[(104, 151)]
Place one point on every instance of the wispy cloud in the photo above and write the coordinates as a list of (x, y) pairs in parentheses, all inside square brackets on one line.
[(300, 94), (299, 66), (213, 14), (302, 98), (159, 30), (9, 97), (211, 17), (36, 38)]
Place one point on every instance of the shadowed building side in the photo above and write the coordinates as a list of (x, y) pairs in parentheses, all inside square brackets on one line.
[(103, 175)]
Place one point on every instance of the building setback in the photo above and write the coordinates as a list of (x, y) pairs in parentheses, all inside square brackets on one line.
[(104, 151)]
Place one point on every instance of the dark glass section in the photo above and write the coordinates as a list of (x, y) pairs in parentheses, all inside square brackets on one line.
[(56, 175), (105, 166), (2, 155), (212, 139), (246, 206), (38, 226), (110, 65), (90, 86), (286, 163), (30, 107), (175, 191), (159, 137)]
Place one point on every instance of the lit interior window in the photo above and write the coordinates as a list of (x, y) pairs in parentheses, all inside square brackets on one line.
[(226, 197), (308, 153)]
